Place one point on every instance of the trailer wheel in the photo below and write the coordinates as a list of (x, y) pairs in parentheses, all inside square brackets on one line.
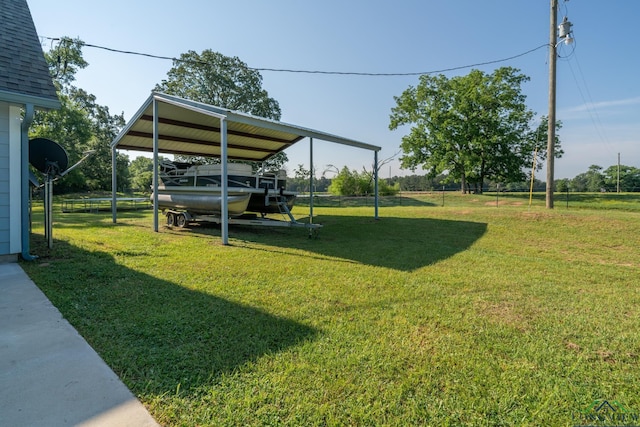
[(171, 219), (181, 220)]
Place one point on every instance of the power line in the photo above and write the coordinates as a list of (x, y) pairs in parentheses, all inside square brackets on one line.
[(340, 73), (347, 73)]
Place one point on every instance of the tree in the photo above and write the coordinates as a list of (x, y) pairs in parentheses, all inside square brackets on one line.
[(322, 184), (591, 181), (104, 128), (122, 173), (71, 128), (300, 180), (629, 178), (595, 179), (351, 183), (562, 185), (536, 143), (388, 189), (141, 170), (301, 172), (64, 61), (80, 125), (220, 80), (474, 127), (345, 183), (213, 78)]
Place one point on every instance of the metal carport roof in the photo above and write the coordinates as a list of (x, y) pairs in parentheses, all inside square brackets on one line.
[(173, 125), (185, 127)]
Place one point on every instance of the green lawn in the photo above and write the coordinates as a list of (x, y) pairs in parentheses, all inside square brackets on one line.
[(467, 314)]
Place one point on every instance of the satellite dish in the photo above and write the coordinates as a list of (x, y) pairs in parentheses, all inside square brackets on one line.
[(47, 156)]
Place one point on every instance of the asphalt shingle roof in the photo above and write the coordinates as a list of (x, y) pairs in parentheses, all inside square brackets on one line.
[(23, 69)]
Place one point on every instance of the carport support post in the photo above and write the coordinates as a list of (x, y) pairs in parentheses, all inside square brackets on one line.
[(311, 180), (375, 183), (114, 185), (48, 210), (225, 181), (155, 164)]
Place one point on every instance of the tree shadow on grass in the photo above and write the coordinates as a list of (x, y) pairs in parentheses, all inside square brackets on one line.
[(156, 335), (81, 220), (404, 244)]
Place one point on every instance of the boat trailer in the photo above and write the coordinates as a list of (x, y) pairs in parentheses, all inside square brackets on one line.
[(182, 218)]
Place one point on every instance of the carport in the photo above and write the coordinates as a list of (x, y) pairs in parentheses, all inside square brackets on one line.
[(172, 125)]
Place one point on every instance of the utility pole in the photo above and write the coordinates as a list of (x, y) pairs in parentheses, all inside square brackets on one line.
[(551, 129), (564, 34), (618, 186)]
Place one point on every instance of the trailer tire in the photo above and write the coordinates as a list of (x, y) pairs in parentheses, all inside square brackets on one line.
[(181, 220), (171, 219)]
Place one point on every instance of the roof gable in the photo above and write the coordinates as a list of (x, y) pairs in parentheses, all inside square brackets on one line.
[(24, 74)]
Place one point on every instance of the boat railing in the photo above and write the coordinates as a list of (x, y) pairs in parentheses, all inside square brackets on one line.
[(170, 172), (270, 180), (173, 168)]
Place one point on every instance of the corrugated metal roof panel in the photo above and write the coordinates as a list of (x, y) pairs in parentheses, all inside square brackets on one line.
[(192, 128)]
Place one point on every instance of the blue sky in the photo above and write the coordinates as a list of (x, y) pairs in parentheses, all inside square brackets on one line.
[(598, 97)]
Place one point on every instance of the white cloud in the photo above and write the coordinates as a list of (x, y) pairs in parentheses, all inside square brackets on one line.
[(599, 106)]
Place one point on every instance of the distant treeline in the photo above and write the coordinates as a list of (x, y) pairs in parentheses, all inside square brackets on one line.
[(595, 179)]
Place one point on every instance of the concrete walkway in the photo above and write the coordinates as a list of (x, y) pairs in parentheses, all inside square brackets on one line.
[(49, 375)]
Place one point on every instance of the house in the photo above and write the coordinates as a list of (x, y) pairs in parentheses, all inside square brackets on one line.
[(25, 85)]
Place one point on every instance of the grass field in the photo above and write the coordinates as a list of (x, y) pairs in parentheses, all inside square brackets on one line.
[(462, 314)]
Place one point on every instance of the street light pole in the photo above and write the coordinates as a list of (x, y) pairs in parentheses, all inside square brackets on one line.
[(551, 130)]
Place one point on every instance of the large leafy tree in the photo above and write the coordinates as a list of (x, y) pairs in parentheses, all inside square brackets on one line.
[(349, 183), (629, 178), (80, 125), (141, 169), (592, 180), (474, 127), (213, 78), (220, 80), (141, 172)]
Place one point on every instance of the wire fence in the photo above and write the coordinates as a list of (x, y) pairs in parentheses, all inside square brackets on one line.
[(576, 200), (103, 204)]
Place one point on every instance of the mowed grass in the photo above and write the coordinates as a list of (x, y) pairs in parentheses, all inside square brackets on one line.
[(465, 314)]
